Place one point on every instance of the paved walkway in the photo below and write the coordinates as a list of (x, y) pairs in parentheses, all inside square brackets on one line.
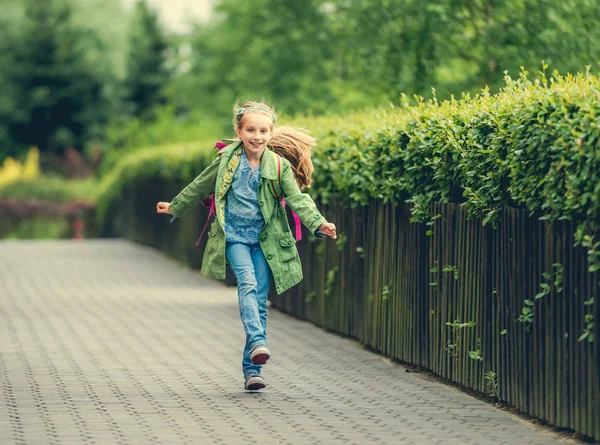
[(107, 342)]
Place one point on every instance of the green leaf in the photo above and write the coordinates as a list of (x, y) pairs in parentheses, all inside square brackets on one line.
[(546, 275), (475, 355), (584, 336), (594, 267), (503, 332), (540, 295), (529, 302)]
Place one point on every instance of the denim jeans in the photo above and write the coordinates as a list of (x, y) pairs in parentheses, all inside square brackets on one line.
[(253, 277)]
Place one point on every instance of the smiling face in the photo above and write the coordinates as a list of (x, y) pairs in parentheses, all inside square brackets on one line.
[(255, 132)]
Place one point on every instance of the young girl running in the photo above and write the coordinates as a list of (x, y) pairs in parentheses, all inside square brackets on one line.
[(251, 230)]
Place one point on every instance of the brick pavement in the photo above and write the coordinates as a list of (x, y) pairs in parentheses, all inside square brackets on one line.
[(108, 342)]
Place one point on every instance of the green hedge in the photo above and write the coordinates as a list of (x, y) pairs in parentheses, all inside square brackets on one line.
[(177, 162), (534, 145), (52, 188)]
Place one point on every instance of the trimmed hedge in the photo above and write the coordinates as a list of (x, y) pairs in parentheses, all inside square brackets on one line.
[(534, 145), (51, 188), (179, 162)]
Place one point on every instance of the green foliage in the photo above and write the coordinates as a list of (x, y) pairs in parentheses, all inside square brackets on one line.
[(476, 355), (330, 282), (67, 72), (322, 56), (132, 134), (532, 146), (108, 22), (527, 314), (491, 379), (452, 269), (528, 311), (264, 48), (52, 188), (387, 291), (453, 344), (588, 332), (147, 71), (178, 162), (39, 228), (341, 241), (588, 240), (406, 46), (54, 92)]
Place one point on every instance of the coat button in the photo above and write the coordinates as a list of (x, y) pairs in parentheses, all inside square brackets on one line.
[(270, 256), (263, 238)]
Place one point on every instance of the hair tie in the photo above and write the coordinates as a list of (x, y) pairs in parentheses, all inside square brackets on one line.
[(242, 110)]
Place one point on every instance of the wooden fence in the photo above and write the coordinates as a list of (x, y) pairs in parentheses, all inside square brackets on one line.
[(397, 290), (385, 285)]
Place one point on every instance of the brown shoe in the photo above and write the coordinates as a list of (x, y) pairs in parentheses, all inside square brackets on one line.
[(260, 355)]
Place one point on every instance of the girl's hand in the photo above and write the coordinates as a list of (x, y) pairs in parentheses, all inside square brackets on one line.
[(163, 207), (328, 229)]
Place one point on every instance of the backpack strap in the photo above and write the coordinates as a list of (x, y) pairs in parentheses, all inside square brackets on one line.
[(278, 197), (282, 200), (211, 212)]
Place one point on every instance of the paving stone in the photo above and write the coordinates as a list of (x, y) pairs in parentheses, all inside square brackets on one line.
[(106, 341)]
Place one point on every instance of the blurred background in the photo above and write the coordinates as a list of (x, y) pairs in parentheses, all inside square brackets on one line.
[(84, 82)]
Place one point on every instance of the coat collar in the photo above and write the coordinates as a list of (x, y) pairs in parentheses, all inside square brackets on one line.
[(268, 165)]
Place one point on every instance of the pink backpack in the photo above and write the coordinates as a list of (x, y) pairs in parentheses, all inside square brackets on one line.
[(209, 202)]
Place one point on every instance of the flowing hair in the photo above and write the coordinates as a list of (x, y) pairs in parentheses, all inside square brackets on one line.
[(294, 144)]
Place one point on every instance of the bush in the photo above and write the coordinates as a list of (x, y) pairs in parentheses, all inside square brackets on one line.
[(132, 134), (178, 163), (533, 145), (52, 188)]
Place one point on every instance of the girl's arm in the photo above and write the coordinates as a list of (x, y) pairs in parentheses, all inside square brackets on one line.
[(303, 205), (199, 188)]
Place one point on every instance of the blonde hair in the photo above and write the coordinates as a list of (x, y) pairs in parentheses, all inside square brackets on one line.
[(294, 144)]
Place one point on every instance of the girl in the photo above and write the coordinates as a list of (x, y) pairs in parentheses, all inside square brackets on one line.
[(251, 230)]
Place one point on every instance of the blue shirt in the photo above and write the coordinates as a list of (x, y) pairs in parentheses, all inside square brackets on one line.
[(243, 218)]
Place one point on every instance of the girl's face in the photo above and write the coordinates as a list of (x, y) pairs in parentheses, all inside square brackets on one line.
[(255, 132)]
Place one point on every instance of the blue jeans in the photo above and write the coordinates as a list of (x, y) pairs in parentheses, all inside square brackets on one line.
[(253, 277)]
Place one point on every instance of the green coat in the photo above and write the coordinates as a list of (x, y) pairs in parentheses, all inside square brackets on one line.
[(276, 240)]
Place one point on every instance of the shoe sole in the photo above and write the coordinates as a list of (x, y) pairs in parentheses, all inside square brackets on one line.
[(260, 359), (255, 387)]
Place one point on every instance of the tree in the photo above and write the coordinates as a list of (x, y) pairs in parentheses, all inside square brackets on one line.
[(55, 96), (272, 49), (147, 71)]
